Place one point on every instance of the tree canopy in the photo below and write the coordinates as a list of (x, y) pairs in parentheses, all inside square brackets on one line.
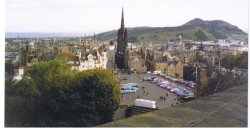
[(54, 95), (240, 61), (66, 56)]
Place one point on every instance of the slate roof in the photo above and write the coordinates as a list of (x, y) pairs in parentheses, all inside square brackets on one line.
[(160, 59)]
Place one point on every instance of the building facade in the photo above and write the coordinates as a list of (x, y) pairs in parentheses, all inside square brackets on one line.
[(89, 60)]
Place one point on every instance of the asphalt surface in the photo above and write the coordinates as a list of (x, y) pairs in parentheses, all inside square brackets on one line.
[(154, 91)]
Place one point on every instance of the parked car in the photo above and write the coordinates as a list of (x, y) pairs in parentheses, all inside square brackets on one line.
[(155, 80), (164, 85), (153, 77), (146, 78), (162, 82), (173, 79), (182, 93), (181, 81), (185, 94), (170, 78), (169, 87), (161, 74), (190, 84), (167, 77), (174, 89)]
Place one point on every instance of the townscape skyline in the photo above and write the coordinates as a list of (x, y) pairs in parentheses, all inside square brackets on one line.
[(99, 16), (110, 79)]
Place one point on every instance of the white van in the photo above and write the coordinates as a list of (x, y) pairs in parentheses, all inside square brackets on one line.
[(157, 72), (145, 103)]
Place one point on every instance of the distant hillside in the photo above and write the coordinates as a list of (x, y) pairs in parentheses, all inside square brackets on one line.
[(196, 29)]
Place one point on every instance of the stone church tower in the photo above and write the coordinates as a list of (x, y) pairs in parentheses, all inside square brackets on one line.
[(121, 55)]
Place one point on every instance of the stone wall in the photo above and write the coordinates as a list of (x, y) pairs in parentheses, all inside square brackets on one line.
[(120, 113)]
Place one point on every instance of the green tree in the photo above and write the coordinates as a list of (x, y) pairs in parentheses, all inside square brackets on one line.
[(65, 56), (54, 95), (24, 56), (102, 98), (242, 60), (239, 61), (9, 67), (26, 88), (20, 102), (228, 61)]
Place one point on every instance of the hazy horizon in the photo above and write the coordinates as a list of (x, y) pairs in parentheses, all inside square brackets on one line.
[(68, 34), (92, 33)]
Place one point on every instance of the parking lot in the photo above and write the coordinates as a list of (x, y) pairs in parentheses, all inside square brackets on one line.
[(150, 91)]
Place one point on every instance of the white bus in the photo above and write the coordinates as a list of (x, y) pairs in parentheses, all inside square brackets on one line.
[(133, 85), (128, 89)]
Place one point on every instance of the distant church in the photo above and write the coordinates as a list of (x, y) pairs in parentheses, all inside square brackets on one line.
[(121, 54)]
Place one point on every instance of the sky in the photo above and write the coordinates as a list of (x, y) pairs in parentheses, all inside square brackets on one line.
[(97, 16)]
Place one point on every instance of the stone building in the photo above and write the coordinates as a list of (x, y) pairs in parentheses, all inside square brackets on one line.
[(161, 63), (137, 65), (89, 60), (168, 64)]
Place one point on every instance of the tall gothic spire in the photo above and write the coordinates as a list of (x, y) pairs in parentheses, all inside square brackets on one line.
[(121, 53), (122, 20)]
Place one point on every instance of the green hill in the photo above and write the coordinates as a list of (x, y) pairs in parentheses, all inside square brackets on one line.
[(196, 29)]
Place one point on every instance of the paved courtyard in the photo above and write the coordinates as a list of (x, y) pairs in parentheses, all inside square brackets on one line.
[(152, 91)]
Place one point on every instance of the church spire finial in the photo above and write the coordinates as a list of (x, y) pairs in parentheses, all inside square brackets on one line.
[(122, 20)]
